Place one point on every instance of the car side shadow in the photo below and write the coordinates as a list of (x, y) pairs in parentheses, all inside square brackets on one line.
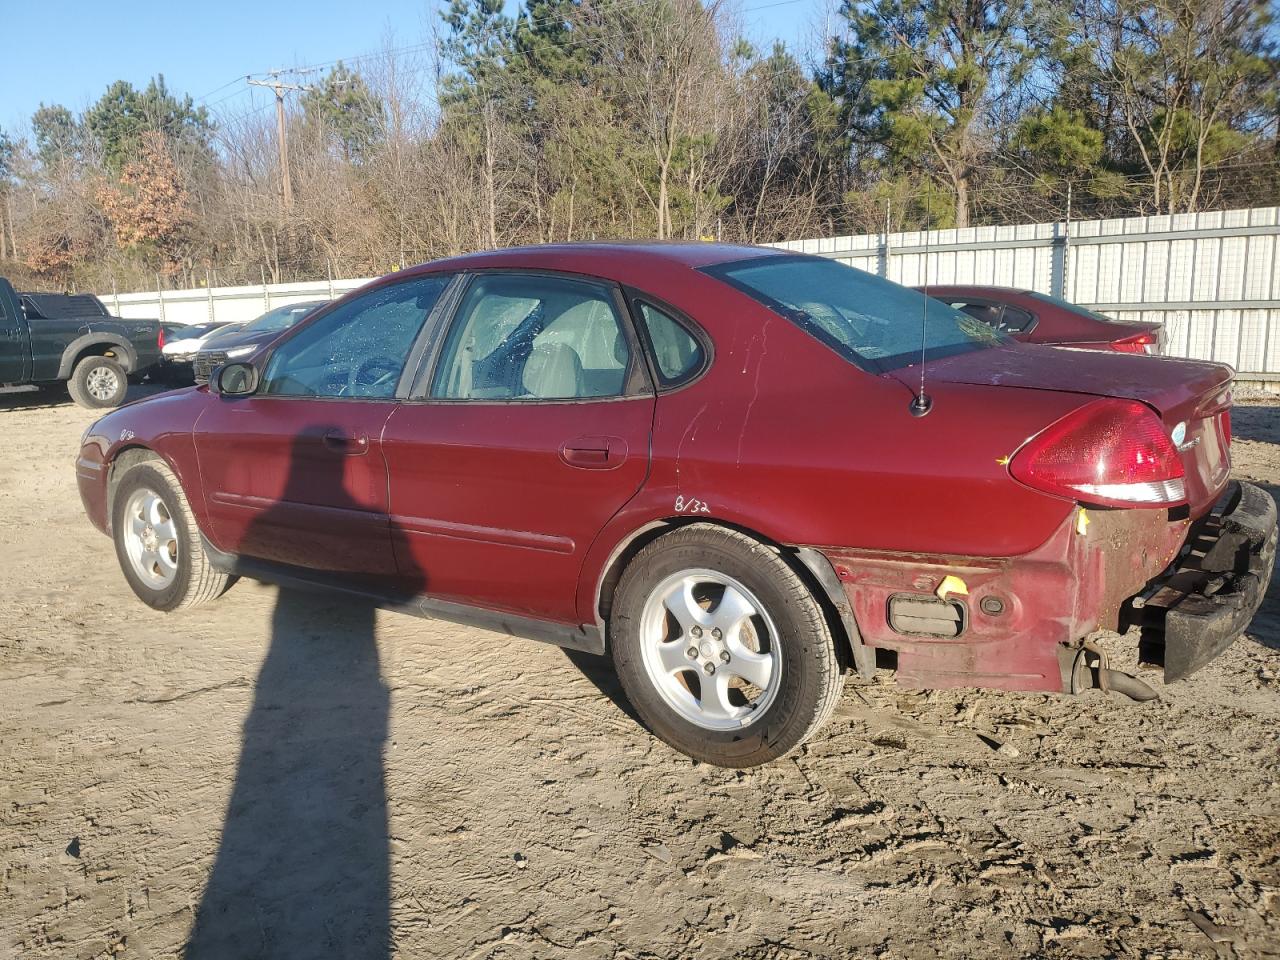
[(1255, 421), (56, 396), (1270, 608), (599, 670)]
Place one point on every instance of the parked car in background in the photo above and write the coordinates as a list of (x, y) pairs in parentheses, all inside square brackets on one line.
[(50, 342), (235, 343), (182, 343), (715, 463), (1040, 318)]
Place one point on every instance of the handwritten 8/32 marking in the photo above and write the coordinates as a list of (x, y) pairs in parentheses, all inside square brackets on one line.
[(691, 505)]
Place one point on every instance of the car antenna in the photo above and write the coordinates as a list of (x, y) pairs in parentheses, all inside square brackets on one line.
[(922, 403)]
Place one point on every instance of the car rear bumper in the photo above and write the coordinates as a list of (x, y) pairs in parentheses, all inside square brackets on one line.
[(1206, 599), (1012, 623)]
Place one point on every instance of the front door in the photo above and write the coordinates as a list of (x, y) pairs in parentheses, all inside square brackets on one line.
[(295, 473), (532, 433)]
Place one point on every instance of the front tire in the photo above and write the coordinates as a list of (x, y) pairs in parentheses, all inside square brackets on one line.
[(98, 383), (721, 648), (158, 543)]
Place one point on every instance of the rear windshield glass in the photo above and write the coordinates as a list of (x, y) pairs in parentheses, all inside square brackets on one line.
[(1075, 308), (871, 322)]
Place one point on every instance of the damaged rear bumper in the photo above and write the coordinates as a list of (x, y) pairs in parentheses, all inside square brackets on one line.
[(1197, 608)]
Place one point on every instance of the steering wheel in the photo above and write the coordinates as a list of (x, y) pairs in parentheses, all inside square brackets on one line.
[(370, 373)]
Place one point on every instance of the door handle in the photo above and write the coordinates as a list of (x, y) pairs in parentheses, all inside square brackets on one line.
[(349, 446), (594, 453)]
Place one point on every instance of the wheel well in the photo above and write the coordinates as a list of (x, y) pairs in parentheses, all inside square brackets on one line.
[(120, 465), (654, 531), (103, 349)]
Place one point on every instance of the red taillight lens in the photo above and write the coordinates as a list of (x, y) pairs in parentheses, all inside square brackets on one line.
[(160, 339), (1111, 453), (1139, 343)]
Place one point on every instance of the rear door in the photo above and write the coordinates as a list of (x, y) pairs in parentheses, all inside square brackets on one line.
[(294, 473), (530, 431), (14, 353)]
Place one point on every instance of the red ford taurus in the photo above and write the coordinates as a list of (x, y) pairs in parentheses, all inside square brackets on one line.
[(716, 463)]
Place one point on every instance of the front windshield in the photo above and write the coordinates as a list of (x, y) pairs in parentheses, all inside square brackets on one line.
[(873, 323), (281, 318)]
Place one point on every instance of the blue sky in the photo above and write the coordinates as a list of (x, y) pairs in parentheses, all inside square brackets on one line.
[(68, 51)]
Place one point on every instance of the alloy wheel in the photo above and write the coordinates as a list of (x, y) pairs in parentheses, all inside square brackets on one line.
[(710, 649), (151, 539)]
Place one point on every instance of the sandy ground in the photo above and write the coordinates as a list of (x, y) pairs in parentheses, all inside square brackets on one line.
[(281, 775)]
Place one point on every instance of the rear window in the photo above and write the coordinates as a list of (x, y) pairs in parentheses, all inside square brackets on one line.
[(62, 306), (1075, 308), (871, 322)]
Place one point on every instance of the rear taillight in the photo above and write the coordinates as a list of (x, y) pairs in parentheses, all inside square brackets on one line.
[(160, 339), (1138, 343), (1112, 453)]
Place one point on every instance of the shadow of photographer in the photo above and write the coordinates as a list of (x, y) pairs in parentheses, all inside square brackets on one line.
[(303, 865)]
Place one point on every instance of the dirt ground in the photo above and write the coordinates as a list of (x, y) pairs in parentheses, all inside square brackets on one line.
[(284, 775)]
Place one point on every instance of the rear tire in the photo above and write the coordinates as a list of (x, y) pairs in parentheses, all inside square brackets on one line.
[(721, 648), (158, 543), (98, 383)]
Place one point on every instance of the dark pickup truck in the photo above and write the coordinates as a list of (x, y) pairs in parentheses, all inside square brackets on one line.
[(51, 339)]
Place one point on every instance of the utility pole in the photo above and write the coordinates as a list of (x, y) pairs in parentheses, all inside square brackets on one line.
[(274, 82)]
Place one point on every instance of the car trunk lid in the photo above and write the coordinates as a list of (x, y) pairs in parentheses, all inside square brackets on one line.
[(1192, 397)]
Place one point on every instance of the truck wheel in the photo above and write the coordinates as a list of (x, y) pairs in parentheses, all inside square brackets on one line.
[(721, 648), (158, 543), (98, 382)]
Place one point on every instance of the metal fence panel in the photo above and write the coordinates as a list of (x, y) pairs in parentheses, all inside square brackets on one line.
[(1212, 278)]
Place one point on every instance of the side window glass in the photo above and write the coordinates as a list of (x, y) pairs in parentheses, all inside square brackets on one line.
[(1015, 319), (676, 353), (359, 349), (988, 313), (534, 338)]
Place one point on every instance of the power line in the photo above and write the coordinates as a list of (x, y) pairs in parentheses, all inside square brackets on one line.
[(219, 89)]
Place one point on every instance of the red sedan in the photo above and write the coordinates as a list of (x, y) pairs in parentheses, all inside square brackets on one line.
[(717, 464), (1040, 318)]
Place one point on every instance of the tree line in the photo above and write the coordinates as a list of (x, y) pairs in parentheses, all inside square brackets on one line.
[(599, 119)]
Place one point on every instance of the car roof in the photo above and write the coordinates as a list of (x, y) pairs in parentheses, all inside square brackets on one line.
[(615, 259), (977, 289)]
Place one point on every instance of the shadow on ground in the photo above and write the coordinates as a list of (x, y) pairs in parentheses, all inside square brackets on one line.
[(48, 398), (599, 670), (303, 865), (1256, 421)]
